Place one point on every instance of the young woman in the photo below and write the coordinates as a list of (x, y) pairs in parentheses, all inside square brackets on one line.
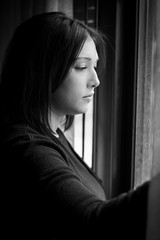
[(49, 74)]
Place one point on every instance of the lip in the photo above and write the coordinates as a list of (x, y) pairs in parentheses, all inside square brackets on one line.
[(88, 98), (89, 95)]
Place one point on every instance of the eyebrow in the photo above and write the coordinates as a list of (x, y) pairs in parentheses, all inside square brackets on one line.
[(87, 58)]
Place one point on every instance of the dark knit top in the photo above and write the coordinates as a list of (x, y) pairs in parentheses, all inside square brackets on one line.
[(50, 193)]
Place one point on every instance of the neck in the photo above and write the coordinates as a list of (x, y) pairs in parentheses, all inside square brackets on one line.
[(55, 121)]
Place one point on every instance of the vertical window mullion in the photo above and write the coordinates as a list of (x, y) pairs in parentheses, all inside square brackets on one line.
[(83, 135)]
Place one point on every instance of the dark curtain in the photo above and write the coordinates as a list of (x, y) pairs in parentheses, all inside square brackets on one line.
[(13, 12)]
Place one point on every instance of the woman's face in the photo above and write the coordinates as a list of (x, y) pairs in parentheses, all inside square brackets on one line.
[(76, 91)]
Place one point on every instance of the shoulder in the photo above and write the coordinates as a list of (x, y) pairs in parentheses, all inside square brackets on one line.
[(32, 155), (25, 142)]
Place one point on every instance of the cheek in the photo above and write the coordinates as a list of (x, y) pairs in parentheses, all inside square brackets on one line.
[(73, 88), (64, 99), (68, 98)]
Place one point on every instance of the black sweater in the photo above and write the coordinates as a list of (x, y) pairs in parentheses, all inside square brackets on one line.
[(50, 193)]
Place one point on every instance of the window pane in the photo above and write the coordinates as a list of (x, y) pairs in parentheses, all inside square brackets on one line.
[(88, 135), (78, 130), (83, 135)]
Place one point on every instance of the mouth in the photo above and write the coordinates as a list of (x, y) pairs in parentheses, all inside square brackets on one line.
[(89, 96)]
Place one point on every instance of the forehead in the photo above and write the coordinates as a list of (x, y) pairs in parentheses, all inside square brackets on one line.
[(89, 49)]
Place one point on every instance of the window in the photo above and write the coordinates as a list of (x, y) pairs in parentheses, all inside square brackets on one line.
[(81, 135)]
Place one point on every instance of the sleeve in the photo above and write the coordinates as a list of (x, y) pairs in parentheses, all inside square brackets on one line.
[(68, 206)]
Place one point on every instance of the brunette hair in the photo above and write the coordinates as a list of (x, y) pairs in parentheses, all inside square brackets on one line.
[(37, 60)]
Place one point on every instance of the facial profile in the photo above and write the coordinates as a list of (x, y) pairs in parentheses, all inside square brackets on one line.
[(77, 90)]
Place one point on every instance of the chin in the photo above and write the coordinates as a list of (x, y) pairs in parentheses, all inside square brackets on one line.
[(79, 111), (84, 111)]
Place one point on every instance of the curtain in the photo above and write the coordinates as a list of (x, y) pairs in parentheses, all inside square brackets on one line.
[(13, 12)]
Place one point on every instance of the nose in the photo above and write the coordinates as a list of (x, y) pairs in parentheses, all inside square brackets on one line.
[(94, 80)]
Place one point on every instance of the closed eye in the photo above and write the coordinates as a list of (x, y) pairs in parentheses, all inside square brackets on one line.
[(80, 68)]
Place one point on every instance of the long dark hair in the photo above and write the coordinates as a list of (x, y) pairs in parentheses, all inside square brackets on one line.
[(37, 60)]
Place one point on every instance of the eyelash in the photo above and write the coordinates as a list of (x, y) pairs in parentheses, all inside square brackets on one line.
[(80, 68), (83, 68)]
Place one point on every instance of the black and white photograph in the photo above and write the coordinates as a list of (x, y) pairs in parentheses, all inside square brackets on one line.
[(80, 119)]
